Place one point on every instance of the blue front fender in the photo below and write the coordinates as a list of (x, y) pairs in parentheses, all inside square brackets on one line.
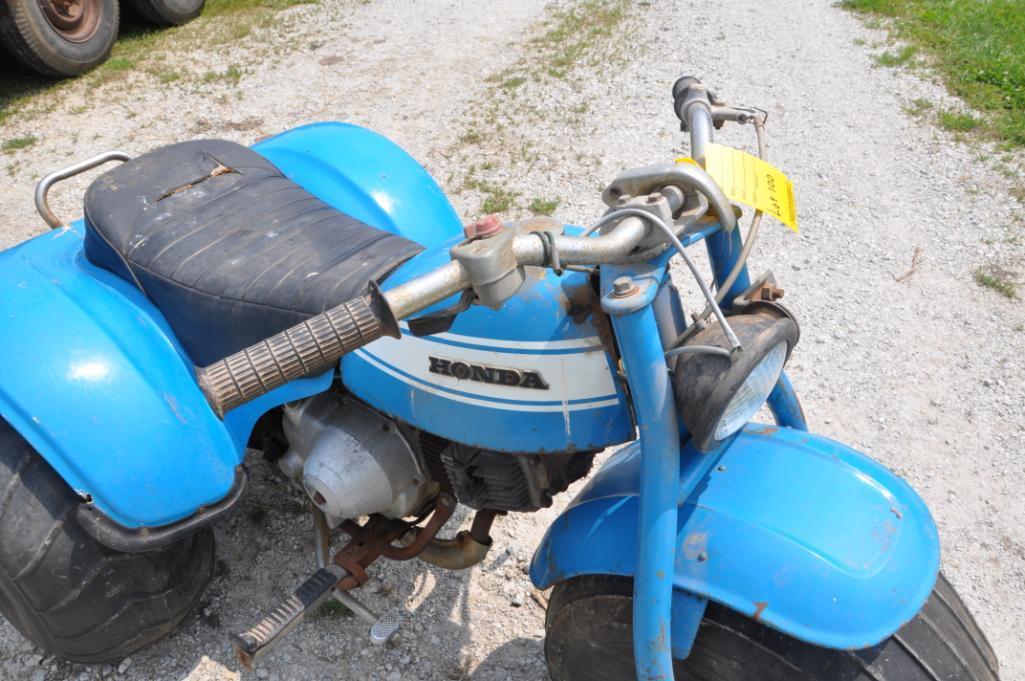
[(805, 534)]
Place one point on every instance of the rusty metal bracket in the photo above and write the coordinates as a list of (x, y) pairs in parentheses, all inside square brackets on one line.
[(376, 538)]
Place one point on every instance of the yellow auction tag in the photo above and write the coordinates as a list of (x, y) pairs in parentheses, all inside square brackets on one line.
[(749, 180)]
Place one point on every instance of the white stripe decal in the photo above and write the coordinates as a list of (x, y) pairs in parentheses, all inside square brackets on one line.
[(579, 381), (486, 403), (590, 343)]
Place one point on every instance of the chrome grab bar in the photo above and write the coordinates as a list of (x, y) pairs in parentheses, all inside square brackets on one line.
[(45, 184)]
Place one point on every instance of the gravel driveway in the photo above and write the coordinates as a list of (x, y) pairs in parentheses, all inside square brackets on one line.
[(927, 374)]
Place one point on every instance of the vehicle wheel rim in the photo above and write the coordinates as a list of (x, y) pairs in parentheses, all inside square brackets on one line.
[(75, 20)]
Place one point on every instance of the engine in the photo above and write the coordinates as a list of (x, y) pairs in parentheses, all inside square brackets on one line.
[(353, 461), (481, 478)]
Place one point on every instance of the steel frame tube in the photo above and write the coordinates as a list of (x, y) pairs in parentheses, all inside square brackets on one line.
[(641, 348), (785, 406)]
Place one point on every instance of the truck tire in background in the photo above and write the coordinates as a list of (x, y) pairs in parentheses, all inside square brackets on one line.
[(59, 37), (168, 12)]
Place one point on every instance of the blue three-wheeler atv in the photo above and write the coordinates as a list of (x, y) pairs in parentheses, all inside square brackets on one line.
[(316, 297)]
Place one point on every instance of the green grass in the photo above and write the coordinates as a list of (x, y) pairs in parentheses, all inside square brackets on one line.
[(996, 282), (497, 200), (918, 107), (17, 143), (168, 76), (541, 206), (138, 47), (119, 64), (216, 8), (471, 137), (232, 75), (513, 83), (332, 609), (18, 87), (901, 57), (956, 121), (576, 32), (978, 47)]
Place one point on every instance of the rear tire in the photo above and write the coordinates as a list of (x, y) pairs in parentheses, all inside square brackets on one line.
[(67, 593), (589, 637), (59, 44), (168, 12)]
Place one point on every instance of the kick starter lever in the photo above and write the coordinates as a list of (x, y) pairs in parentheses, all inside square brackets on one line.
[(254, 644)]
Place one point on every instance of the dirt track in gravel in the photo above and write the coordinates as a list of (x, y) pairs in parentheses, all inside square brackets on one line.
[(926, 374)]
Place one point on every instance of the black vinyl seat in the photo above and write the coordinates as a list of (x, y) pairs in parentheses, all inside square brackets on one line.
[(228, 248)]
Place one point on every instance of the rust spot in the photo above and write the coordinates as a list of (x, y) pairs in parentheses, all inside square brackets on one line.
[(896, 511), (767, 292), (760, 607), (695, 545), (582, 303)]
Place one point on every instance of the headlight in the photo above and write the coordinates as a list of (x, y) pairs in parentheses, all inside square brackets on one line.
[(753, 392), (716, 395)]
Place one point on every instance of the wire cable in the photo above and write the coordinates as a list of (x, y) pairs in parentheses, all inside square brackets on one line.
[(671, 235)]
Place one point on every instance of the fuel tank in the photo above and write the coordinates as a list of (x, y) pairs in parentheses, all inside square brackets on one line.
[(538, 375)]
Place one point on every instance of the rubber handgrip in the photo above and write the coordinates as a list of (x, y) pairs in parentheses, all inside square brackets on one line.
[(302, 350)]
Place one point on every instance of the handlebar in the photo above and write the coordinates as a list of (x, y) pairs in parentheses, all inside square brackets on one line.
[(491, 265), (319, 342)]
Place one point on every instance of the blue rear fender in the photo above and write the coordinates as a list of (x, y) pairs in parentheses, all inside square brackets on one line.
[(798, 531), (93, 378), (366, 175)]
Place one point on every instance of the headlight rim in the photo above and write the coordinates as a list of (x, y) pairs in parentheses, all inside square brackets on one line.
[(705, 384)]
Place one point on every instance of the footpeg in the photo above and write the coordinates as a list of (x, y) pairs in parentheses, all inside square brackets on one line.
[(382, 628), (251, 645)]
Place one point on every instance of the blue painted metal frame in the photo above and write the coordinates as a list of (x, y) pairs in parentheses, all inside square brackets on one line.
[(644, 360), (785, 406)]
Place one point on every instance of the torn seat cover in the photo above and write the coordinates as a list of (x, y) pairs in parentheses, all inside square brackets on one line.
[(229, 249)]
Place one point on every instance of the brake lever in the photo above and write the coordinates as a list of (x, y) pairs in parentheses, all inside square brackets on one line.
[(442, 320)]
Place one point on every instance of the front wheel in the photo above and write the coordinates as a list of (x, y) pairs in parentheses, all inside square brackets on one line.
[(67, 593), (589, 637)]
